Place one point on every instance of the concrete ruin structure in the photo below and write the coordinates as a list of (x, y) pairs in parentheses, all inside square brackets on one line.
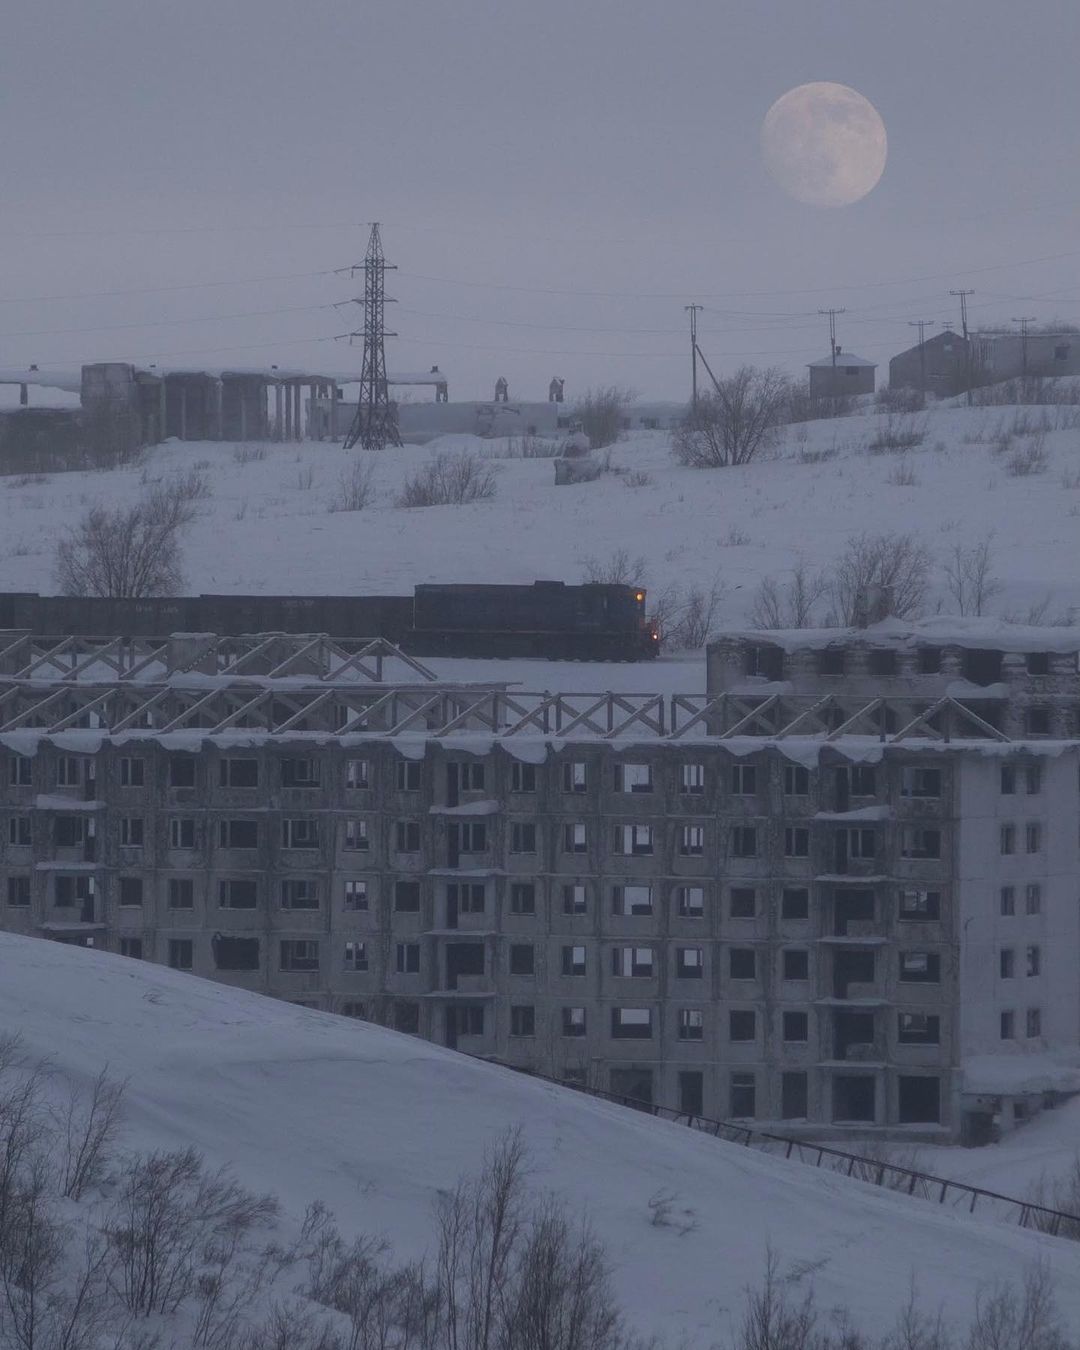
[(835, 889)]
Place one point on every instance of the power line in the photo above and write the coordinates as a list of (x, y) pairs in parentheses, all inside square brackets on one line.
[(163, 323), (161, 290)]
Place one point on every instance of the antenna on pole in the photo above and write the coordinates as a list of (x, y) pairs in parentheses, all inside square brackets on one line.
[(1023, 322), (833, 349), (375, 425), (967, 345)]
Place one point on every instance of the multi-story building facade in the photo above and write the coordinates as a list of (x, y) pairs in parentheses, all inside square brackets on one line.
[(836, 890)]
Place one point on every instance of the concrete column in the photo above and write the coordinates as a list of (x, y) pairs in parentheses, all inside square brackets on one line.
[(183, 411), (333, 411), (287, 395), (161, 410), (219, 411), (24, 395), (242, 392), (277, 413), (298, 411)]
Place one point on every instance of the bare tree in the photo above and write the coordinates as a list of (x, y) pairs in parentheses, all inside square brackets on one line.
[(790, 604), (131, 552), (601, 413), (1006, 1320), (970, 580), (734, 422), (619, 568), (895, 564), (355, 488)]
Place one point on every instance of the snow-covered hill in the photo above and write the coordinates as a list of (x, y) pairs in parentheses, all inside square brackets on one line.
[(267, 526), (375, 1124)]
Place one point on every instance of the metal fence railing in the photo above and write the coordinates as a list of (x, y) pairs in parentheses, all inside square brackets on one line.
[(892, 1176)]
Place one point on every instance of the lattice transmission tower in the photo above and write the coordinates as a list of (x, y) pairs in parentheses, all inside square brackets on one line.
[(375, 425)]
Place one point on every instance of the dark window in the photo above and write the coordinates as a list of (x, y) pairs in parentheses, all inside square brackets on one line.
[(1038, 663), (131, 890), (742, 902), (1007, 1030), (522, 958), (573, 1021), (235, 953), (744, 841), (356, 956), (181, 893), (357, 774), (742, 1025), (522, 837), (522, 779), (692, 778), (690, 901), (575, 838), (691, 1092), (470, 775), (407, 834), (1033, 898), (743, 1096), (918, 1029), (1033, 780), (744, 780), (357, 837), (181, 771), (920, 967), (523, 897), (633, 1024), (407, 1017), (691, 1024), (922, 906), (299, 955), (471, 897), (918, 1100), (689, 963), (929, 660), (300, 893), (300, 832), (573, 960), (522, 1020), (18, 891), (132, 831), (1033, 1023), (1006, 963), (916, 781), (742, 963), (575, 776), (1032, 837), (238, 833), (863, 780), (407, 897), (299, 772), (796, 780), (831, 660), (407, 958), (796, 964), (795, 903), (355, 893), (19, 834), (1037, 722), (1007, 900), (239, 773), (352, 1008), (794, 1096), (796, 841), (919, 842), (21, 771), (132, 772), (131, 946), (182, 832), (238, 893), (181, 953), (882, 662), (575, 899), (796, 1026), (1008, 780), (408, 775)]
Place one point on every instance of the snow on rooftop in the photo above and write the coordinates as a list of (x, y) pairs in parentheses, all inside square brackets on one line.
[(378, 1124), (942, 630), (842, 359)]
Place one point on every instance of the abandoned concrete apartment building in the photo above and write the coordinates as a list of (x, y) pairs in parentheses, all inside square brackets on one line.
[(838, 889)]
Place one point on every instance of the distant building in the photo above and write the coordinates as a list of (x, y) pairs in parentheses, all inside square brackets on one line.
[(936, 366), (1002, 356), (841, 376)]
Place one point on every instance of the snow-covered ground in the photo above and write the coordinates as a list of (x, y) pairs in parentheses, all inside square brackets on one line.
[(376, 1124), (268, 528)]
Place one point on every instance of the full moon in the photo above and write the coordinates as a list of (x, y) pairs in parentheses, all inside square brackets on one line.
[(824, 143)]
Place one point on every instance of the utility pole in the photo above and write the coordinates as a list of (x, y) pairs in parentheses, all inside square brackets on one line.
[(921, 325), (693, 312), (832, 313), (967, 343), (1023, 322), (375, 424)]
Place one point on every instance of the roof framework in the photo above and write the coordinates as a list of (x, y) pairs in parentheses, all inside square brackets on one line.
[(278, 684)]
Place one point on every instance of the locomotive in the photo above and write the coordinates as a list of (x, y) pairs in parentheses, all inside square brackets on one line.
[(550, 619)]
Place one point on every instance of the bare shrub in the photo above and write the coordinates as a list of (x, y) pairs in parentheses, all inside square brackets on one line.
[(1071, 481), (790, 604), (900, 433), (970, 580), (617, 569), (449, 480), (1061, 1193), (305, 478), (1034, 390), (355, 487), (249, 454), (638, 478), (735, 421), (802, 408), (131, 552), (1028, 1320), (817, 456), (903, 475), (602, 413), (27, 480), (897, 565), (735, 538), (1031, 459), (900, 400), (88, 1128), (688, 620)]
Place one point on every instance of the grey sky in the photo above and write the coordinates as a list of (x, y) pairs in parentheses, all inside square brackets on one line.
[(603, 146)]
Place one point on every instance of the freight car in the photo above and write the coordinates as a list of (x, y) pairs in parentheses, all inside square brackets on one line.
[(592, 622)]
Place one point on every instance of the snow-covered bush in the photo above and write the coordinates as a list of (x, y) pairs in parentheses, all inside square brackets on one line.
[(449, 480)]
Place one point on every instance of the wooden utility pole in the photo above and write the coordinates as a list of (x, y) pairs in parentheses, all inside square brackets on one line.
[(1023, 322), (693, 312), (922, 325), (967, 342)]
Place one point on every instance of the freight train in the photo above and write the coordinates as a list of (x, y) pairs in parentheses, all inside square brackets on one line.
[(591, 622)]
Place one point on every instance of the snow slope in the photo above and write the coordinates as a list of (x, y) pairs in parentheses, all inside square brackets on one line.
[(375, 1124), (268, 527)]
